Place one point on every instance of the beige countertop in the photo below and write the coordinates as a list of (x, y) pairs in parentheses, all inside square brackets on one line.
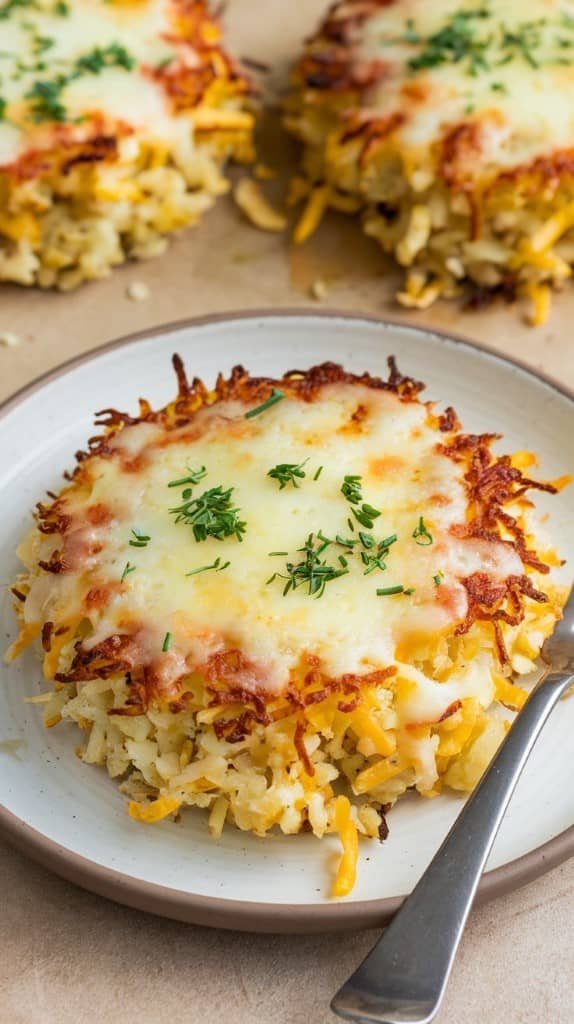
[(67, 957)]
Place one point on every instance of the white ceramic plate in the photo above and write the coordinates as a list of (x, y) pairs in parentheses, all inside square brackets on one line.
[(71, 816)]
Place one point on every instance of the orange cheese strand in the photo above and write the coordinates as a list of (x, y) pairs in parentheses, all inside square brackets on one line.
[(154, 811), (345, 826)]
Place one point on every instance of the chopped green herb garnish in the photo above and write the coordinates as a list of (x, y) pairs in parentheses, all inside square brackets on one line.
[(422, 535), (42, 43), (352, 490), (141, 540), (210, 515), (113, 56), (129, 568), (275, 396), (499, 87), (311, 571), (351, 525), (166, 642), (273, 553), (46, 100), (343, 561), (388, 591), (288, 473), (318, 473), (193, 477), (3, 106), (9, 6), (523, 41), (345, 542), (471, 38), (374, 557), (410, 34), (46, 94), (437, 579), (216, 565), (457, 40), (325, 542), (366, 515), (388, 541), (367, 539)]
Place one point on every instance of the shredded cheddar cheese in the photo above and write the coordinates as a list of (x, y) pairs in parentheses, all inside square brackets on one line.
[(154, 811), (347, 870)]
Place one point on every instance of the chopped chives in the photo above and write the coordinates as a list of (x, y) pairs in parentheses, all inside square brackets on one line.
[(287, 473), (275, 396), (129, 568), (214, 565), (421, 535), (386, 543), (367, 539), (194, 476), (141, 539), (345, 542)]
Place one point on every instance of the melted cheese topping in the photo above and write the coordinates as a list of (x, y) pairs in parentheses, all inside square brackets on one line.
[(37, 45), (521, 97), (351, 430)]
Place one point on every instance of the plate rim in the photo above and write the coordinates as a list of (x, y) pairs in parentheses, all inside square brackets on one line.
[(253, 915)]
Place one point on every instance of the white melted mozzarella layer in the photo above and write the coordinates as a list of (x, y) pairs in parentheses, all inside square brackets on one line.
[(144, 29), (525, 106), (349, 628)]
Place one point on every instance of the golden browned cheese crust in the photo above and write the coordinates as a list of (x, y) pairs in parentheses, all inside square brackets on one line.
[(115, 126), (449, 126)]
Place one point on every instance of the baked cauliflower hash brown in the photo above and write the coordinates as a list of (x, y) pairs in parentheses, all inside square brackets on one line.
[(289, 601), (450, 126), (116, 120)]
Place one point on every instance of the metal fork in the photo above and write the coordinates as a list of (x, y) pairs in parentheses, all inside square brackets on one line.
[(403, 979)]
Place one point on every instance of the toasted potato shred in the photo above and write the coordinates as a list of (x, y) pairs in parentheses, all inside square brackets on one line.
[(256, 206)]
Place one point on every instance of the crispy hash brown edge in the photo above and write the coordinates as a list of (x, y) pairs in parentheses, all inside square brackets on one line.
[(329, 82), (58, 223), (236, 715)]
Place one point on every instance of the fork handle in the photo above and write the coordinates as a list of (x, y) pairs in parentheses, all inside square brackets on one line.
[(403, 979)]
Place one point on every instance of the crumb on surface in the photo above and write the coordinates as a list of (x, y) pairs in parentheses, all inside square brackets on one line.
[(319, 289), (9, 339), (137, 291), (256, 206)]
